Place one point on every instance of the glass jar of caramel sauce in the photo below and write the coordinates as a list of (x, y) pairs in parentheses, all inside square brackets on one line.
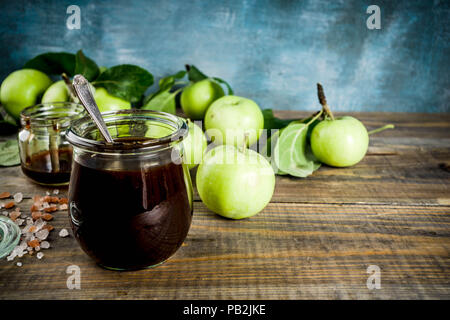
[(45, 154), (130, 202)]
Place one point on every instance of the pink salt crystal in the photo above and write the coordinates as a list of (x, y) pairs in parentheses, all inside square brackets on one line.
[(14, 215)]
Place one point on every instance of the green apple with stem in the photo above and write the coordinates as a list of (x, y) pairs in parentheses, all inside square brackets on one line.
[(235, 183), (108, 102), (198, 96), (194, 145), (22, 89), (232, 119), (340, 142)]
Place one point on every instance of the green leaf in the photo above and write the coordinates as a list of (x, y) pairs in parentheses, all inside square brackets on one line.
[(168, 82), (271, 122), (230, 90), (85, 66), (291, 153), (125, 81), (195, 75), (53, 63), (8, 124), (9, 153), (162, 101)]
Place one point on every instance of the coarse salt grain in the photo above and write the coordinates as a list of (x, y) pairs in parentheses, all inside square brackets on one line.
[(19, 264), (39, 224), (42, 234), (45, 245), (18, 197), (63, 233), (39, 255), (56, 191)]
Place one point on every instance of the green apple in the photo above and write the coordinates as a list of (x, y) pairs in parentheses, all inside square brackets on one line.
[(235, 183), (57, 92), (194, 145), (231, 118), (342, 142), (198, 96), (108, 102), (21, 89)]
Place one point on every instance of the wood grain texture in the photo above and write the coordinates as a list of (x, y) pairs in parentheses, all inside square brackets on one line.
[(315, 239)]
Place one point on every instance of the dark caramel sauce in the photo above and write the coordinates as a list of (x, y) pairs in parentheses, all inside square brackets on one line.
[(129, 219)]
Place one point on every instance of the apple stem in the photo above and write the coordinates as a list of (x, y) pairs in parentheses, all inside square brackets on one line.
[(388, 126), (323, 101)]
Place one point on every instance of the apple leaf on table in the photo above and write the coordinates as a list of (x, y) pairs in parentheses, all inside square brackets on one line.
[(195, 75), (125, 81), (9, 153), (292, 153)]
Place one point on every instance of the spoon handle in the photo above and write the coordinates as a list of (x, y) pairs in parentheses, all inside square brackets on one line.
[(83, 90)]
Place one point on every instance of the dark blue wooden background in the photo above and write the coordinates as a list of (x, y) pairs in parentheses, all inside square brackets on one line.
[(271, 51)]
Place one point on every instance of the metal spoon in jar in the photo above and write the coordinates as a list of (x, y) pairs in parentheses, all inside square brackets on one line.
[(83, 91)]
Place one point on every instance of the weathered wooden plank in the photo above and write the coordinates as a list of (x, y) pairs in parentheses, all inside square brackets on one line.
[(314, 240), (287, 251)]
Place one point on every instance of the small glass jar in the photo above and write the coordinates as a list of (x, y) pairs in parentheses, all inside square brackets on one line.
[(45, 155), (9, 236), (130, 202)]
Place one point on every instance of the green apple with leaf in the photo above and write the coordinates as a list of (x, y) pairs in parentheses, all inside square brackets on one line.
[(22, 89)]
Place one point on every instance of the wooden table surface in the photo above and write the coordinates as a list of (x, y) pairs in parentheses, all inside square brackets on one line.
[(315, 240)]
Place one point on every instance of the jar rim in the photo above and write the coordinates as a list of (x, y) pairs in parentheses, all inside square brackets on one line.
[(77, 139), (43, 114)]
